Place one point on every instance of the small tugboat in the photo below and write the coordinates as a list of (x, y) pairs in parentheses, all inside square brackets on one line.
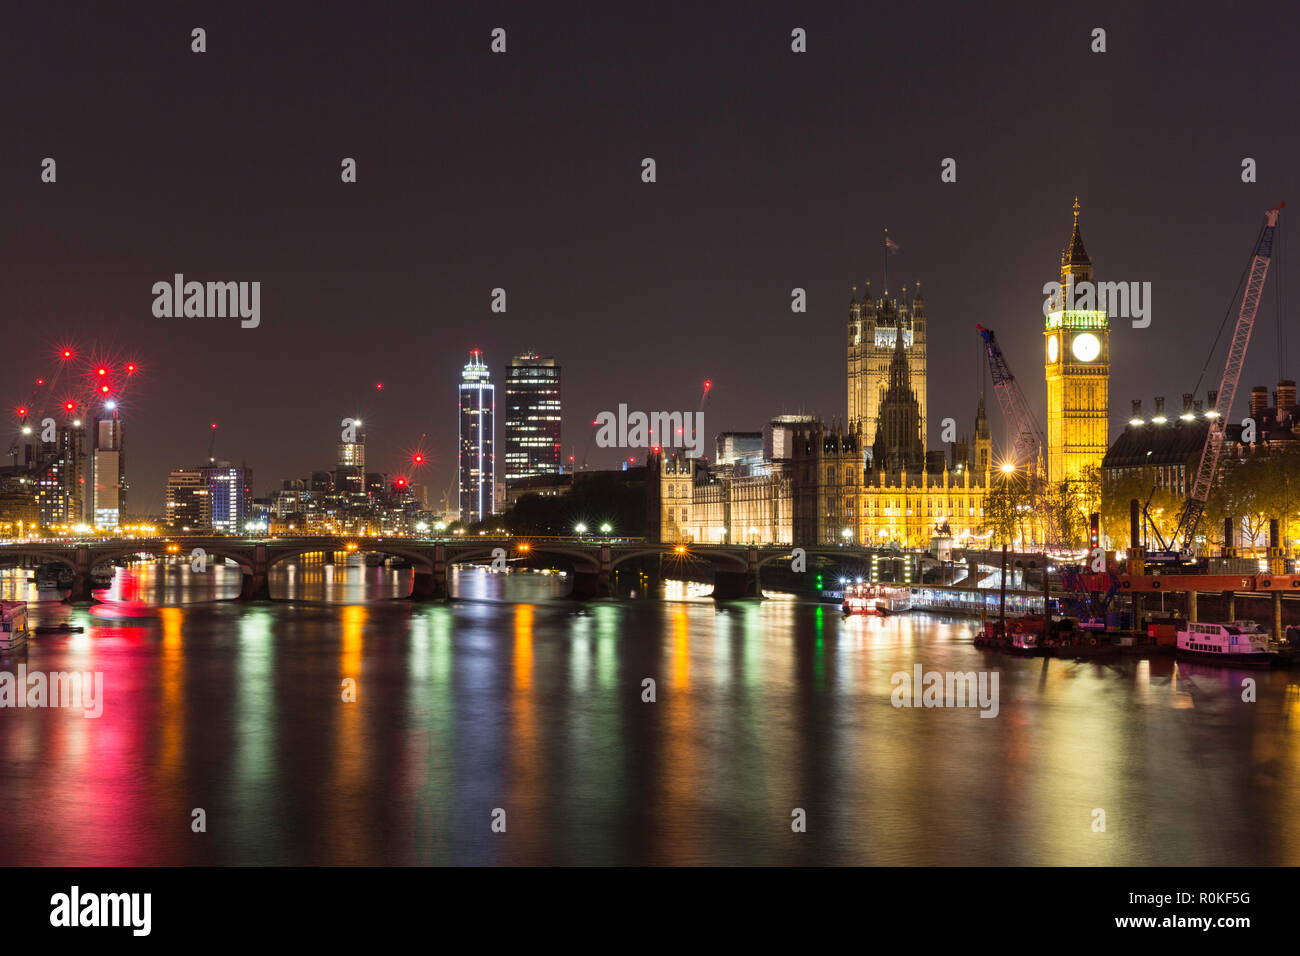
[(13, 625), (875, 599), (1241, 642)]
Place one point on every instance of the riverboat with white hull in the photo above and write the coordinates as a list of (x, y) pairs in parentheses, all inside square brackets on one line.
[(1238, 642), (875, 599), (13, 625)]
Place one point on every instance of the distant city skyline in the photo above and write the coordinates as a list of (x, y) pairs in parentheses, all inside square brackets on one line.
[(776, 171)]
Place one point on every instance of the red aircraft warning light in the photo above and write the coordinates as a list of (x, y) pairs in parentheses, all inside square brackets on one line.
[(101, 371), (104, 389), (69, 405), (22, 412), (130, 367), (67, 353), (418, 459)]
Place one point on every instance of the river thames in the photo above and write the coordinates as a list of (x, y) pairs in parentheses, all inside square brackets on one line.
[(513, 704)]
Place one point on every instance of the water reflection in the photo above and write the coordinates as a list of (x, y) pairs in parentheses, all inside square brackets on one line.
[(514, 698)]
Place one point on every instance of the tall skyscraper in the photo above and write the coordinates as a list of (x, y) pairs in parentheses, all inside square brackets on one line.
[(1078, 371), (61, 476), (108, 475), (477, 465), (873, 329), (350, 477), (532, 417)]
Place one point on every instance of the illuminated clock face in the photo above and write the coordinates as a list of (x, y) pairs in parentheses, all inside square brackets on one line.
[(1086, 347), (1052, 348)]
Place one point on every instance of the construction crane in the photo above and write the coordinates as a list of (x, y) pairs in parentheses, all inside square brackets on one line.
[(1028, 436), (1185, 534), (1028, 441)]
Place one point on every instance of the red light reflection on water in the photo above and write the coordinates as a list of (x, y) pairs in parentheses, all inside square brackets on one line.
[(127, 604)]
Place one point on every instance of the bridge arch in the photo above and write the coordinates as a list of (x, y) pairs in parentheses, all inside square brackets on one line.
[(44, 557), (159, 548), (729, 560), (420, 557), (581, 560)]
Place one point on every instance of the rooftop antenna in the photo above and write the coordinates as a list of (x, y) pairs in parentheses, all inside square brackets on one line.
[(890, 246)]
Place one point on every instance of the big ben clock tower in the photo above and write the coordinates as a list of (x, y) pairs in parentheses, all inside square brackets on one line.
[(1077, 352)]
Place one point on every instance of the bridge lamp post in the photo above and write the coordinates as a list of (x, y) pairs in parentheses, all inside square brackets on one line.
[(580, 528), (606, 528), (753, 534), (847, 535)]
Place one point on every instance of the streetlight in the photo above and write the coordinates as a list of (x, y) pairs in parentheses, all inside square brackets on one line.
[(847, 535), (580, 528), (606, 528)]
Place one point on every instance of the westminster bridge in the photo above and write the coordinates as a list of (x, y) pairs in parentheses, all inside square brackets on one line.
[(591, 561)]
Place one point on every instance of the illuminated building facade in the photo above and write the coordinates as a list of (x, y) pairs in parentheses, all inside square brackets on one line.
[(350, 474), (229, 495), (61, 477), (874, 329), (1077, 355), (187, 500), (745, 501), (868, 483), (216, 497), (532, 393), (477, 485), (108, 475), (837, 490)]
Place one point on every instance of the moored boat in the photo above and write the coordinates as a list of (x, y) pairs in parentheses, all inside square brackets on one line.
[(13, 625), (874, 599), (1241, 642), (53, 576), (1022, 638)]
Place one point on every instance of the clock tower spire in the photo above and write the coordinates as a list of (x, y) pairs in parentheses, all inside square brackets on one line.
[(1077, 367)]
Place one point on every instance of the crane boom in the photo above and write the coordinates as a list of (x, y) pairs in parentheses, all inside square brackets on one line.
[(1029, 438), (1213, 448)]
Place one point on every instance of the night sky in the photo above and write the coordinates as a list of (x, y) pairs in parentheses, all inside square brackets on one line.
[(522, 171)]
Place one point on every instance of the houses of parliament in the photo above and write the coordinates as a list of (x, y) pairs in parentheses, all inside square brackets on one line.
[(868, 478)]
